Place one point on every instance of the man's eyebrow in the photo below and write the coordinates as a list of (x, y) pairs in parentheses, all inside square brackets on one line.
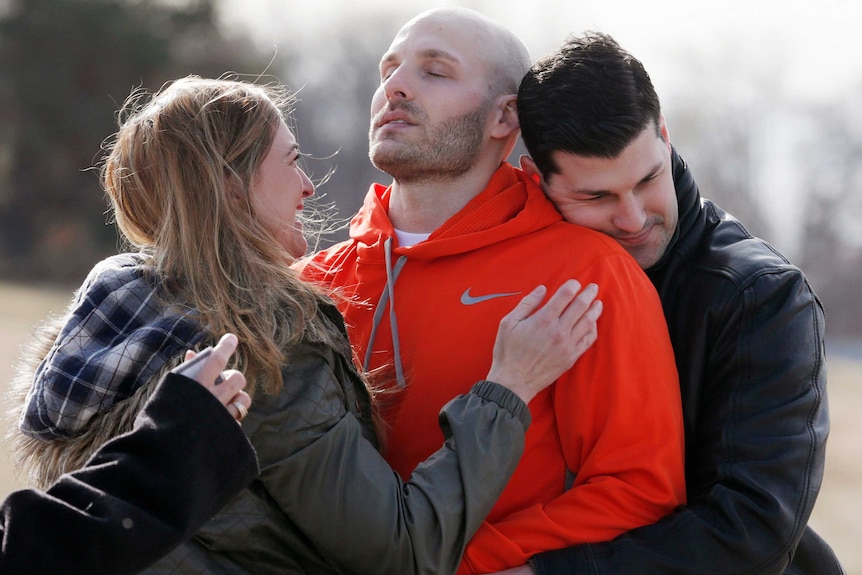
[(598, 192), (653, 172), (429, 54), (435, 54)]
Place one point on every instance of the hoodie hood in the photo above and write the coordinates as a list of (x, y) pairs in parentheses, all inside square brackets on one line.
[(510, 206)]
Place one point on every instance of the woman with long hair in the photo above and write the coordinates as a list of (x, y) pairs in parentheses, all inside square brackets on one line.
[(206, 187)]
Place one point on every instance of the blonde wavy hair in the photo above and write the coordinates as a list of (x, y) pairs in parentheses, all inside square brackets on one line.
[(179, 173)]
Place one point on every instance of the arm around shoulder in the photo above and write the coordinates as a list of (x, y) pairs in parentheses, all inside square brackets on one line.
[(618, 418), (760, 435)]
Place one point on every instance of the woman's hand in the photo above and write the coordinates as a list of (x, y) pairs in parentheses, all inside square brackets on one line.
[(535, 345), (207, 368)]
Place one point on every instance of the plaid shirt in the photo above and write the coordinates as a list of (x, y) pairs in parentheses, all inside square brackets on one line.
[(115, 337)]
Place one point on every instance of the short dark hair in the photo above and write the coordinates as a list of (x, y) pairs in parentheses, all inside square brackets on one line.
[(589, 97)]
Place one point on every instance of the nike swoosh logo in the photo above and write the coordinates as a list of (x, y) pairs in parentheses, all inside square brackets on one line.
[(468, 299)]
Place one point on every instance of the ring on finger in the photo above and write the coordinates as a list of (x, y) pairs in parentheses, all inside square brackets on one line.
[(241, 410)]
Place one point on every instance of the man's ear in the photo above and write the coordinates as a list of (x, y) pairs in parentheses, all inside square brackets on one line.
[(505, 117), (529, 167), (663, 131)]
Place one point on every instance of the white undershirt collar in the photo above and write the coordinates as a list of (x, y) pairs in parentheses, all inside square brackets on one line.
[(407, 239)]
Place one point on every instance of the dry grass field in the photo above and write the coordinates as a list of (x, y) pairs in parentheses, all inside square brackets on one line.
[(836, 516)]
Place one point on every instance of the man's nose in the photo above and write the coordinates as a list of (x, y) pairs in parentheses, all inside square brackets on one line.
[(397, 86), (630, 215)]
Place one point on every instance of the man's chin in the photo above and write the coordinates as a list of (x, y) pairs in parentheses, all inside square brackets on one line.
[(387, 159), (646, 256)]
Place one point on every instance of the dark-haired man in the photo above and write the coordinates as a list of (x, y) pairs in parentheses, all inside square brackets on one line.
[(746, 327)]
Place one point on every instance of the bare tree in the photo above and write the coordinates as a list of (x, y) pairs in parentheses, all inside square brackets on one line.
[(66, 65), (832, 250)]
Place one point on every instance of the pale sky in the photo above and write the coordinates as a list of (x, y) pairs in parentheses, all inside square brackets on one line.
[(817, 42), (768, 55)]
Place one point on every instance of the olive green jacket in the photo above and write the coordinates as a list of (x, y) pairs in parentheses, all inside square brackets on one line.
[(327, 502)]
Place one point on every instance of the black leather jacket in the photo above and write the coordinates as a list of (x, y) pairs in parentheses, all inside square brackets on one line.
[(748, 332)]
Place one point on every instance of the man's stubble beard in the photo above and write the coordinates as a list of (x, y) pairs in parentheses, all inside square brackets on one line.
[(448, 150)]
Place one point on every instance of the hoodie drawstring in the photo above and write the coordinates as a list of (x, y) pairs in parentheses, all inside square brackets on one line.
[(388, 296)]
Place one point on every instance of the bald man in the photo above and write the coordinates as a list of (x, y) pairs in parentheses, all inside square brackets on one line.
[(438, 257)]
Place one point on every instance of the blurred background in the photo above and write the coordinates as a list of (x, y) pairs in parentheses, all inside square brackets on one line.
[(761, 98)]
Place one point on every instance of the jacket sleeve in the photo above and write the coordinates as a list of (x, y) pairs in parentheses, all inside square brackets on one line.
[(759, 454), (619, 419), (140, 495), (309, 444)]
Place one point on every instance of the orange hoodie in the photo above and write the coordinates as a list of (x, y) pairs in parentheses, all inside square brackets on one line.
[(604, 453)]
